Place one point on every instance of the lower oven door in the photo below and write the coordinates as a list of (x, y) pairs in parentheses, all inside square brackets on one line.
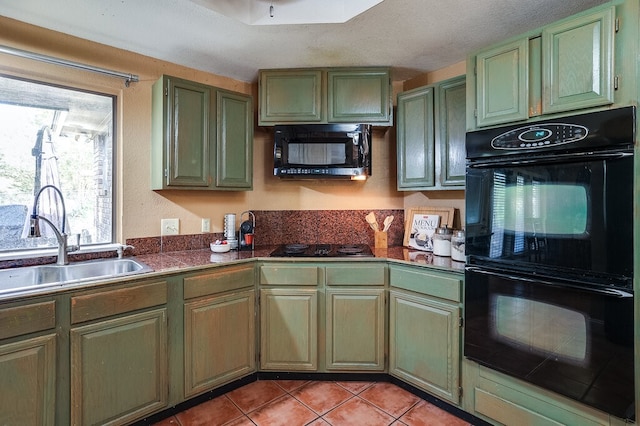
[(576, 341)]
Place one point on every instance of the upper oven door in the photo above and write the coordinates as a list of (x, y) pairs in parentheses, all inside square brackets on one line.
[(570, 217)]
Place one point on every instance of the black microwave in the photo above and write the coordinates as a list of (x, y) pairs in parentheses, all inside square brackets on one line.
[(322, 151)]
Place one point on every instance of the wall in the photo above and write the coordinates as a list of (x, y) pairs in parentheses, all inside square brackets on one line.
[(139, 209)]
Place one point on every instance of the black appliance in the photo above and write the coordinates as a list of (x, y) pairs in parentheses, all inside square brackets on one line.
[(322, 151), (322, 250), (246, 232), (549, 245)]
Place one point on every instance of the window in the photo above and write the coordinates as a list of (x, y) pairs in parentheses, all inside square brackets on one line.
[(60, 136)]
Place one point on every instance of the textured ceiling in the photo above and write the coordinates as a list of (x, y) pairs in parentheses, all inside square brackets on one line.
[(411, 36)]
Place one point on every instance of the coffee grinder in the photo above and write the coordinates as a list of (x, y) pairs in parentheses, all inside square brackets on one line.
[(246, 233)]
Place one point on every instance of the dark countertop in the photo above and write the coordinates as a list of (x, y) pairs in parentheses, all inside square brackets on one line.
[(193, 260), (177, 260)]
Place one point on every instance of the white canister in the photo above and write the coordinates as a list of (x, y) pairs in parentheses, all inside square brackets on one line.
[(457, 246), (442, 242)]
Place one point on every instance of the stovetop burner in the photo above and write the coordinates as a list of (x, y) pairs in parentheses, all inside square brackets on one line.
[(322, 250)]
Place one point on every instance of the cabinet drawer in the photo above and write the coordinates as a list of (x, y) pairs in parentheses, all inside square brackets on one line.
[(217, 282), (92, 306), (289, 275), (356, 275), (27, 319), (427, 282)]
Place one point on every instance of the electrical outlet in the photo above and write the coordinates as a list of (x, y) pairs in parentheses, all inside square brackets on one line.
[(206, 224), (169, 226)]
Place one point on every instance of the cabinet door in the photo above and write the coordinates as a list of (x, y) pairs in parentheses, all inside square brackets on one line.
[(451, 131), (577, 62), (424, 344), (189, 134), (289, 329), (358, 96), (291, 96), (416, 139), (501, 83), (219, 341), (119, 369), (234, 140), (28, 381), (355, 329)]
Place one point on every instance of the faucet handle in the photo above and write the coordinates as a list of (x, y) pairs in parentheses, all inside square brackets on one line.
[(121, 248), (74, 238)]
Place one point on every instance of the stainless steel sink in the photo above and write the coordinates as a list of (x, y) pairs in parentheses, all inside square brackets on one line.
[(16, 279)]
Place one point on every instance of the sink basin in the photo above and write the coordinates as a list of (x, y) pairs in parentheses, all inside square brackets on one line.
[(44, 275)]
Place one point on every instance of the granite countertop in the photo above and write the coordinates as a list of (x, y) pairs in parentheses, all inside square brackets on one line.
[(198, 259), (177, 260)]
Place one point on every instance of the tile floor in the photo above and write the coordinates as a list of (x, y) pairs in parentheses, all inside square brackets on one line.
[(315, 403)]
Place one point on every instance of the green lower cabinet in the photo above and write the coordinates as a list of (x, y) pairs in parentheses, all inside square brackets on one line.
[(119, 369), (424, 343), (28, 381), (506, 400), (219, 340), (28, 364), (355, 324), (289, 329)]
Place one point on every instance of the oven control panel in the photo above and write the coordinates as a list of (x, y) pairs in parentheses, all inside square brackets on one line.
[(540, 136)]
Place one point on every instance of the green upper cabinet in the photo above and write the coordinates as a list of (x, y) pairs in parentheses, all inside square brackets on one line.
[(431, 136), (501, 90), (359, 96), (294, 95), (568, 65), (577, 62), (318, 95), (202, 137), (416, 139), (451, 131), (182, 134), (234, 141)]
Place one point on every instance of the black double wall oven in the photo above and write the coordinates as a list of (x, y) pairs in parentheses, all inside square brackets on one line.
[(549, 243)]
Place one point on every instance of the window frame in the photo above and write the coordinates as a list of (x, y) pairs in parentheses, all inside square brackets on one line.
[(31, 76)]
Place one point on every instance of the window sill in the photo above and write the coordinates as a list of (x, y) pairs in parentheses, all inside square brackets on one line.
[(48, 252)]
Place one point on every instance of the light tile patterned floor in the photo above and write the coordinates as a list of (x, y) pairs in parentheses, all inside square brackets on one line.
[(315, 403)]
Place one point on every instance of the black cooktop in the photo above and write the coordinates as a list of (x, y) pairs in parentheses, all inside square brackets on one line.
[(322, 250)]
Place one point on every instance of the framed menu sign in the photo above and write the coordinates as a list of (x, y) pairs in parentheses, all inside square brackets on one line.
[(421, 224)]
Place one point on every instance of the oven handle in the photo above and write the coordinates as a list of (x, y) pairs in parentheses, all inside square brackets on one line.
[(560, 158), (612, 292)]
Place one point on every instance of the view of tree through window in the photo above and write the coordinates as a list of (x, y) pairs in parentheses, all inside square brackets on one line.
[(55, 136)]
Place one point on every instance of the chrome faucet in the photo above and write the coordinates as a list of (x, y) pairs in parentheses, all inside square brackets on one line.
[(61, 236)]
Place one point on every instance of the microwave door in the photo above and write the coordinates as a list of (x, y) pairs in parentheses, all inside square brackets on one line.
[(316, 154)]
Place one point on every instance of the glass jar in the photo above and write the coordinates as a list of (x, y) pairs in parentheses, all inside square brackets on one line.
[(457, 246), (442, 242)]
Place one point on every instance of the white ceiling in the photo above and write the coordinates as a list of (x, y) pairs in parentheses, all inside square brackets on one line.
[(411, 36), (279, 12)]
